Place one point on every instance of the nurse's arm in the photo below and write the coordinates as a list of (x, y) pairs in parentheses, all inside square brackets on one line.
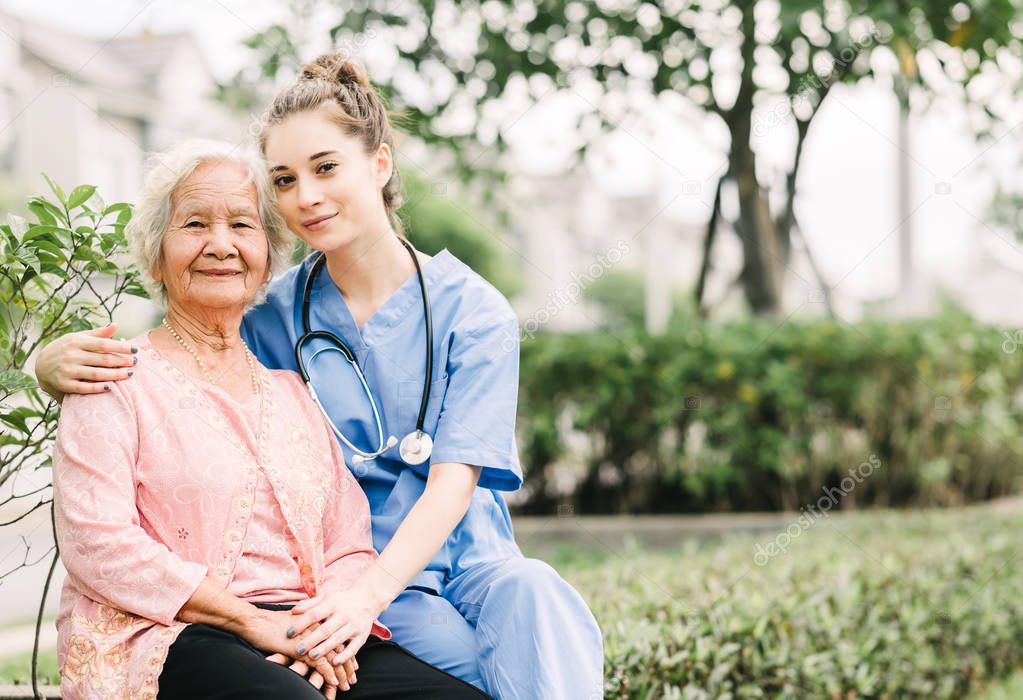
[(443, 504), (84, 362)]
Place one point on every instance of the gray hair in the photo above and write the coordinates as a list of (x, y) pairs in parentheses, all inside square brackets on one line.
[(165, 173)]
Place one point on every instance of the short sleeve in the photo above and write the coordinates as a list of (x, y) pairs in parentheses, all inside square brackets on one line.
[(477, 419), (102, 543)]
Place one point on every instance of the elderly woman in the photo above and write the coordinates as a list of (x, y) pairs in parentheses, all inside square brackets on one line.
[(198, 503)]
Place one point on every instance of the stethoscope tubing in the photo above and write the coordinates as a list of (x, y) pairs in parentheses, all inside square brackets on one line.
[(338, 345)]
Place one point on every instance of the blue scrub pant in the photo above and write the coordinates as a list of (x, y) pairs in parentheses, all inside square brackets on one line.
[(513, 628)]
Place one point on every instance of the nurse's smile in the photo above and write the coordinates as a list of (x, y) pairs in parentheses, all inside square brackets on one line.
[(317, 223)]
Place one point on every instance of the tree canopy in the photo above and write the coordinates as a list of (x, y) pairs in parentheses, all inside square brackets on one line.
[(756, 65)]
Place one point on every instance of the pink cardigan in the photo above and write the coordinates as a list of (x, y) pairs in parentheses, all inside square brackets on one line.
[(153, 489)]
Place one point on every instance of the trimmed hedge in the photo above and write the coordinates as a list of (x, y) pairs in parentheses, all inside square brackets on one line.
[(881, 605), (764, 415)]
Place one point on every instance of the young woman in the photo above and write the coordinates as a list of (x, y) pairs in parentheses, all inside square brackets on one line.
[(373, 315)]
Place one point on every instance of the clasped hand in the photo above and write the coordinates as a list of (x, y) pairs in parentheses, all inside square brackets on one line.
[(336, 621), (267, 630), (345, 675)]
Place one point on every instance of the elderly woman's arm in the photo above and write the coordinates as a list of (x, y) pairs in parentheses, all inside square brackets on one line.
[(111, 558), (108, 554)]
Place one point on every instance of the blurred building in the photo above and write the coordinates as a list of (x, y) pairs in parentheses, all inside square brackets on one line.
[(86, 110), (573, 233)]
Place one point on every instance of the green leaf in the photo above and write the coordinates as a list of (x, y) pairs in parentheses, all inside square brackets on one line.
[(27, 257), (56, 189), (136, 289), (18, 418), (80, 195), (118, 207), (46, 211), (39, 231), (50, 248), (13, 381), (17, 226)]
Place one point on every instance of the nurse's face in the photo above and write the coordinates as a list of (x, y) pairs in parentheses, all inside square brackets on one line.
[(328, 188)]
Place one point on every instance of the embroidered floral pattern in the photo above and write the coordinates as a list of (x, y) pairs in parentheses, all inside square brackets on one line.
[(191, 462)]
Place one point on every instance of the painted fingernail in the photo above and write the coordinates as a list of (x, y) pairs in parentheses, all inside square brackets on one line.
[(134, 349), (291, 632), (301, 650), (134, 360), (130, 373), (106, 387), (313, 655)]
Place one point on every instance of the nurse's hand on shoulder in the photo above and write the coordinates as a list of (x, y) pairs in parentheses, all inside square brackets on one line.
[(84, 362), (345, 619)]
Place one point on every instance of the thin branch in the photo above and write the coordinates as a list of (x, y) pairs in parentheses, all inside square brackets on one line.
[(708, 244), (42, 608), (817, 272), (34, 508)]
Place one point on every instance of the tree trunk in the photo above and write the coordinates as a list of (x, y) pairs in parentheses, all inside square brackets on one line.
[(765, 247)]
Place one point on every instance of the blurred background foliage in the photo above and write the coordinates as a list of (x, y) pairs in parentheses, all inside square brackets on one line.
[(752, 415), (434, 220)]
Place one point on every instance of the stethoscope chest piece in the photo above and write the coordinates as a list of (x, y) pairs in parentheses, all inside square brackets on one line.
[(416, 447)]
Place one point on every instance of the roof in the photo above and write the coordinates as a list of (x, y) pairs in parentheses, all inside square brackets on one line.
[(132, 62)]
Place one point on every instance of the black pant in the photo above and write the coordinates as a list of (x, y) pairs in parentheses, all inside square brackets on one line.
[(209, 663)]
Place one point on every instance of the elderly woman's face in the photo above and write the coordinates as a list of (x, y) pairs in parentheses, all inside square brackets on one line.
[(215, 252)]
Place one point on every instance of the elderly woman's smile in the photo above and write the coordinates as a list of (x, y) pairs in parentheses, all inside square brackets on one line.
[(215, 252)]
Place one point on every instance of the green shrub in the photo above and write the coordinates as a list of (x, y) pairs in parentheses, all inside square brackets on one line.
[(881, 605), (62, 272), (757, 415)]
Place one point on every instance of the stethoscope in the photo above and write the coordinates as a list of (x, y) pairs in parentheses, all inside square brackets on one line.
[(416, 447)]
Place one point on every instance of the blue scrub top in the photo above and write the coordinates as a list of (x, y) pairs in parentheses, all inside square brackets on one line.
[(473, 393)]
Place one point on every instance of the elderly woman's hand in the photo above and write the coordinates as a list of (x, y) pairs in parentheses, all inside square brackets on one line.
[(313, 676), (343, 619), (84, 362), (265, 630)]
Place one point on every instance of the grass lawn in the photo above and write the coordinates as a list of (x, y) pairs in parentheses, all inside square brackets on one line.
[(17, 670), (925, 604), (918, 604)]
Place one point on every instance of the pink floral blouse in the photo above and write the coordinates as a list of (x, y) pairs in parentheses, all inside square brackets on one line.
[(157, 484)]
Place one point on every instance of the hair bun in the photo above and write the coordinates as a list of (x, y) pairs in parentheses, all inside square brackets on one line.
[(336, 68)]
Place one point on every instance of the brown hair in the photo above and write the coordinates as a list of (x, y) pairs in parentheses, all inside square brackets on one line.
[(335, 79)]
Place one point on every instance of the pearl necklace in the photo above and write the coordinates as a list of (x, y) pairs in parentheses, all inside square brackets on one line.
[(202, 365)]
